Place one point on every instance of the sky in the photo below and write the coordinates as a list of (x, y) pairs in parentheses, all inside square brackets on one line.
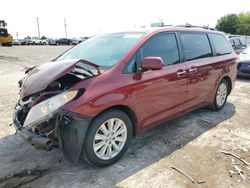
[(89, 17)]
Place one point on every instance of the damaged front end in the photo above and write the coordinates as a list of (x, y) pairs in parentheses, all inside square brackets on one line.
[(39, 117)]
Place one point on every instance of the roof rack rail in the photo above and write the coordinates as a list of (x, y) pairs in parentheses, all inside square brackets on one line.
[(189, 25)]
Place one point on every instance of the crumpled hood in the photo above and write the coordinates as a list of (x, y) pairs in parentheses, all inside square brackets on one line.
[(38, 78)]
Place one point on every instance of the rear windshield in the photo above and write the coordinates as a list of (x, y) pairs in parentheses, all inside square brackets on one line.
[(3, 32), (104, 50), (242, 41), (221, 44)]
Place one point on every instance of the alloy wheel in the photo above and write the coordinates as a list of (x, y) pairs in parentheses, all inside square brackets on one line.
[(110, 138), (221, 94)]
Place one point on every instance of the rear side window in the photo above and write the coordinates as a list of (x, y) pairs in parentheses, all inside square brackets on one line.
[(237, 42), (195, 45), (164, 46), (221, 44)]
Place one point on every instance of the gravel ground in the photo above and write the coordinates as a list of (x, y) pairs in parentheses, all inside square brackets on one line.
[(191, 143)]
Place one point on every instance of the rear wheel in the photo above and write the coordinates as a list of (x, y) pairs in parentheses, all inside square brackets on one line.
[(220, 98), (108, 138)]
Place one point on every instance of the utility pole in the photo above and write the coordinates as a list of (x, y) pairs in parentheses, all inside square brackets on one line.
[(37, 20), (162, 24), (65, 27), (16, 35)]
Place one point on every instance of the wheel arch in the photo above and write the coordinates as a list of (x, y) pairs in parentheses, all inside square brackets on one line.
[(131, 114), (229, 81), (230, 84)]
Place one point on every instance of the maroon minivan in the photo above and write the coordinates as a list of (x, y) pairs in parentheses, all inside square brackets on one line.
[(93, 99)]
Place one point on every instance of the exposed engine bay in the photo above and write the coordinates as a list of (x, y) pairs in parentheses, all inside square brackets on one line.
[(38, 117)]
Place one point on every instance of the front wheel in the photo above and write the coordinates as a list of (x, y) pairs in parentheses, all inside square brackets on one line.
[(108, 138), (220, 98)]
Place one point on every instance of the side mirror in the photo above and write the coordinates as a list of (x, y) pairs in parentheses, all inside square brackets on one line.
[(152, 63)]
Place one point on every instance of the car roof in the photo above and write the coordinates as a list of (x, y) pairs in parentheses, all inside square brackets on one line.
[(148, 30)]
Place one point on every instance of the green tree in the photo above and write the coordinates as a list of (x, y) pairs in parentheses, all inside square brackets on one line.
[(244, 24), (228, 23), (28, 37), (235, 24)]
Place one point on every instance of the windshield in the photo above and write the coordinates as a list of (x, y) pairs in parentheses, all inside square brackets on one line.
[(104, 50)]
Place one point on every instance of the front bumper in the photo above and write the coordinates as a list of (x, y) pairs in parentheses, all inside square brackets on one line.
[(38, 141), (69, 132), (29, 135)]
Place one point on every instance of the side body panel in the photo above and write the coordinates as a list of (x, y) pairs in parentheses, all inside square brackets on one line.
[(154, 96), (202, 84)]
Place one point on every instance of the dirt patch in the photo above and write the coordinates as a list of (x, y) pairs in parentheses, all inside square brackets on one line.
[(8, 58), (21, 178)]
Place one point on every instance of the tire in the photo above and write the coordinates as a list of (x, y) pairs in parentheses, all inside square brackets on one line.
[(220, 97), (98, 150), (8, 44)]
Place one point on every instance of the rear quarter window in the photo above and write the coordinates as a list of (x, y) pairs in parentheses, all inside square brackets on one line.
[(221, 44)]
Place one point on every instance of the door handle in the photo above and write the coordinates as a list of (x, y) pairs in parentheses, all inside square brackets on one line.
[(181, 73), (192, 70)]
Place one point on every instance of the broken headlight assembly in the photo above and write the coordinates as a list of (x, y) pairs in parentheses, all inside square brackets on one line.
[(47, 108)]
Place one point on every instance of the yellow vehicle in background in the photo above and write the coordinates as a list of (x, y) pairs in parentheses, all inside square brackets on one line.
[(5, 37)]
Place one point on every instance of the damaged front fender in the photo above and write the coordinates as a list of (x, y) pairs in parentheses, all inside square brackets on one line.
[(72, 131)]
